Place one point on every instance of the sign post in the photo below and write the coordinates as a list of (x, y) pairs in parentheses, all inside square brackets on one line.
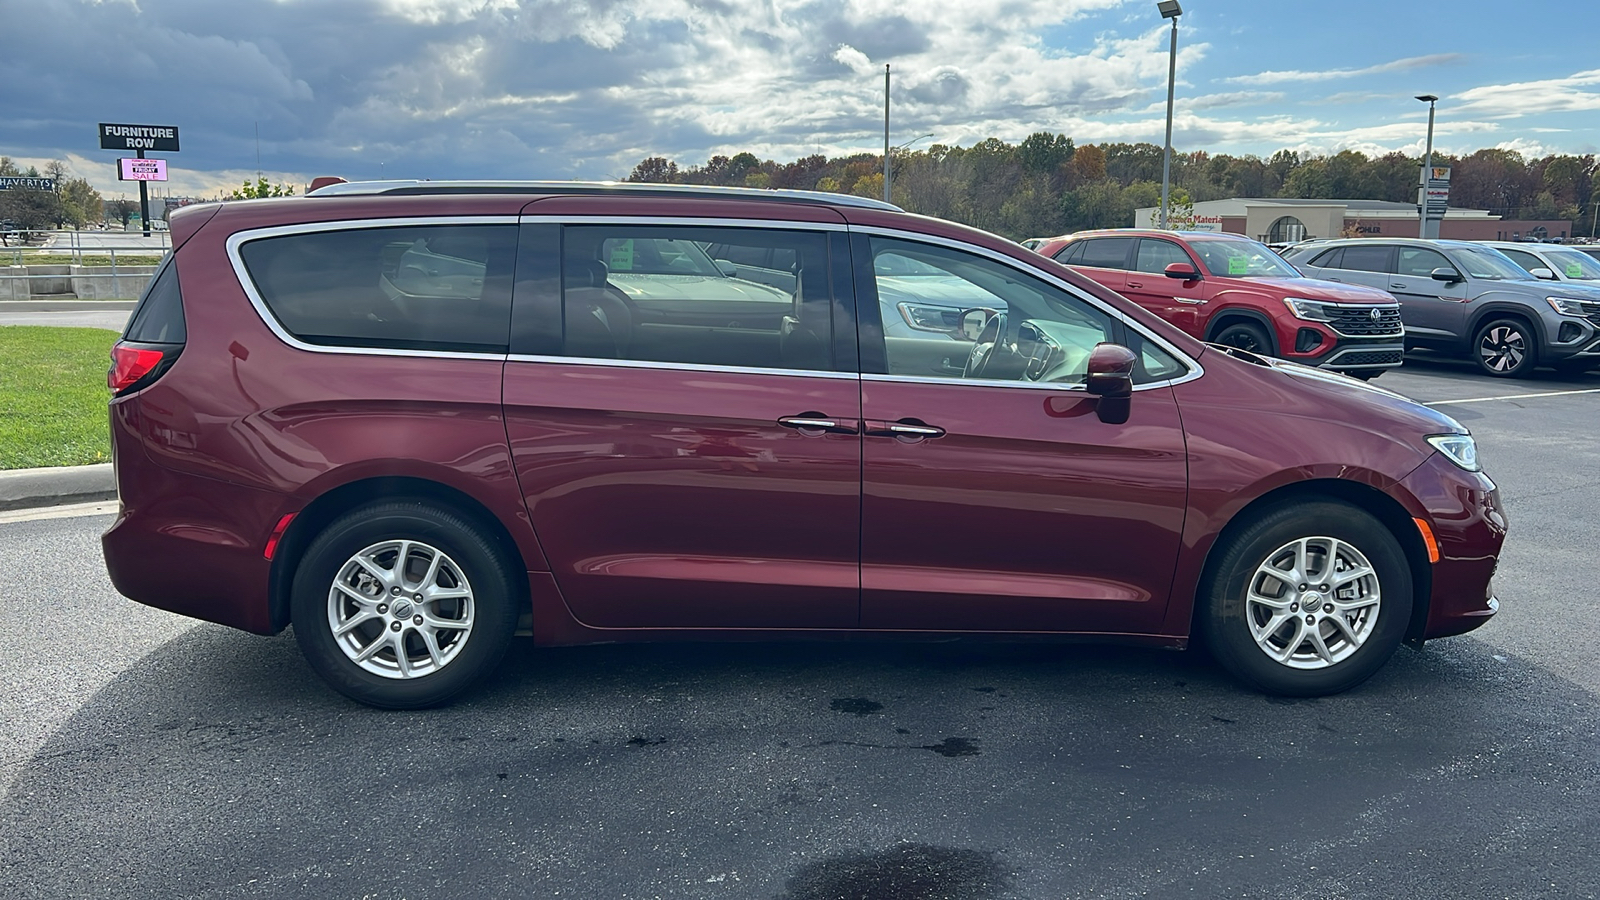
[(140, 138), (1435, 199)]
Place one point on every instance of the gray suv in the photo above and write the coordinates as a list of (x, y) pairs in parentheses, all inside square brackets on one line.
[(1463, 297)]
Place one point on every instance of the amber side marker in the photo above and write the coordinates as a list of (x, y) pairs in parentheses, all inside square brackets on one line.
[(1428, 538)]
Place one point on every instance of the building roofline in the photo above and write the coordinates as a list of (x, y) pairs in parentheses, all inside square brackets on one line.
[(595, 188)]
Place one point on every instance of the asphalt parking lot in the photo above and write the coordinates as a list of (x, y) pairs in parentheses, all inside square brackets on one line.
[(144, 755)]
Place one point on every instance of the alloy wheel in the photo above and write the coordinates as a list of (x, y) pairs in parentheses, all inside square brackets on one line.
[(1313, 602), (1502, 348), (400, 609)]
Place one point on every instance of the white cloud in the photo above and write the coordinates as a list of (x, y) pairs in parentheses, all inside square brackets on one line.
[(1532, 97), (1398, 65)]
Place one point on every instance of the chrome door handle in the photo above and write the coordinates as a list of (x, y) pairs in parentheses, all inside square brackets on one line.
[(1192, 301), (908, 429), (817, 422)]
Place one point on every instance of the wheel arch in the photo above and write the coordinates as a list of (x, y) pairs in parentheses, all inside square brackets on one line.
[(1504, 310), (321, 511), (1226, 316), (1371, 500)]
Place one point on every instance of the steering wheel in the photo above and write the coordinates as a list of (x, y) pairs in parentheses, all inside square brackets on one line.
[(983, 349)]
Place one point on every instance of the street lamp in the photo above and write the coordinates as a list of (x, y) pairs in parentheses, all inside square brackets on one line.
[(1169, 9), (1427, 227), (886, 132)]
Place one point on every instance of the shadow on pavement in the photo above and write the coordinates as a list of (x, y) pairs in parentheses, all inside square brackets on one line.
[(219, 767)]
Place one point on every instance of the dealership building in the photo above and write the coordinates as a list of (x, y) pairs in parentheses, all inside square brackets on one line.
[(1278, 220)]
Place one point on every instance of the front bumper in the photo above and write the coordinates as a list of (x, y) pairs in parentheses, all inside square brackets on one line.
[(1468, 521)]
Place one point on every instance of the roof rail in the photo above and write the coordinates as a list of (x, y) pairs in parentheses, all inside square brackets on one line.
[(414, 187)]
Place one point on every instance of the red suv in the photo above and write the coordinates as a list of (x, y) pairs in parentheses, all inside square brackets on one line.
[(1231, 290), (413, 420)]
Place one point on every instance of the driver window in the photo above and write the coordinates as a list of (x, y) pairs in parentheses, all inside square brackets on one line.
[(1026, 329)]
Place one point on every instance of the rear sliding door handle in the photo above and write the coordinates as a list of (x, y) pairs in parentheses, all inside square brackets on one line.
[(817, 423)]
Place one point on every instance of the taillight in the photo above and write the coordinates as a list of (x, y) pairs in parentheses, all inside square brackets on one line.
[(130, 363)]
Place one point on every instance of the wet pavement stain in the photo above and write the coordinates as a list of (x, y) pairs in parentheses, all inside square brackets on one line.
[(641, 741), (984, 690), (857, 706), (954, 746), (906, 872)]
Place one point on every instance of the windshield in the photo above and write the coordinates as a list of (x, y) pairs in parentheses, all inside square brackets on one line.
[(657, 256), (1483, 262), (1242, 259), (1573, 264)]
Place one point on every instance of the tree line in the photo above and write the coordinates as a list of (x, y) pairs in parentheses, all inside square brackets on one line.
[(73, 202), (1048, 185)]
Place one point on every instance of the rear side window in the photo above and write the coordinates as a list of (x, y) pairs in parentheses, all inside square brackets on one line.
[(1072, 254), (1367, 259), (423, 287), (1106, 253), (158, 319)]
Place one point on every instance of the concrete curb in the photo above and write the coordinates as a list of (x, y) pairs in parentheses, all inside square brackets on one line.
[(56, 486), (66, 305)]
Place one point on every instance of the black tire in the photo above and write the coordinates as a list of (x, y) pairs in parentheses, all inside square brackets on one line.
[(1246, 336), (1226, 616), (463, 560), (1506, 348)]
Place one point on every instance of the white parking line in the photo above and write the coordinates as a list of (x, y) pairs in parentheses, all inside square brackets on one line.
[(1514, 397), (101, 508)]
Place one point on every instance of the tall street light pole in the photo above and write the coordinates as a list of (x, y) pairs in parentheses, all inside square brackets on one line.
[(1169, 9), (1427, 227), (886, 132)]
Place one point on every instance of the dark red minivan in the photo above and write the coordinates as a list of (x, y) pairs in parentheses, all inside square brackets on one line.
[(415, 419), (1231, 290)]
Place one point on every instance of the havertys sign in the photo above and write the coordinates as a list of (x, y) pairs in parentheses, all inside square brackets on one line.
[(139, 137)]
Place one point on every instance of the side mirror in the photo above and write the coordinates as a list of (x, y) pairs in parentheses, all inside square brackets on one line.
[(1449, 276), (1541, 273), (1111, 379), (973, 321), (727, 268), (1182, 270)]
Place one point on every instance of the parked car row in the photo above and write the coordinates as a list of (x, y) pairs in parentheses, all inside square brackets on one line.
[(1511, 307), (414, 419)]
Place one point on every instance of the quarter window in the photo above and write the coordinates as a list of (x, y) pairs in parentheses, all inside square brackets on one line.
[(657, 294), (425, 287)]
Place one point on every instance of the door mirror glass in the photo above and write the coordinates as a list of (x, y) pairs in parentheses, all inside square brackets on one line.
[(973, 321), (1184, 271), (1446, 275), (1543, 274), (1111, 379), (727, 268)]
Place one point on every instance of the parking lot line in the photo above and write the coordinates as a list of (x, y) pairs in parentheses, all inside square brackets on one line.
[(1514, 397)]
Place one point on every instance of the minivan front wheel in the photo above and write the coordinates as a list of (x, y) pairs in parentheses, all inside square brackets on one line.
[(403, 605), (1506, 348), (1307, 600)]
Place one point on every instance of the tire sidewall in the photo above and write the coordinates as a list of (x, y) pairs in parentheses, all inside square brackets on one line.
[(1226, 627), (1530, 340), (1256, 332), (494, 602)]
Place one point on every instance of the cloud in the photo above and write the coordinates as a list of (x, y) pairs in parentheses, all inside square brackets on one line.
[(1510, 101), (1398, 65)]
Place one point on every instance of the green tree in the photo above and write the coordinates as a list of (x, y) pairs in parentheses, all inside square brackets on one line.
[(261, 190)]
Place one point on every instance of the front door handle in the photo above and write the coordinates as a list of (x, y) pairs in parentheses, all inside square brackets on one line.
[(1136, 285), (910, 430), (1396, 287), (817, 423), (1192, 301)]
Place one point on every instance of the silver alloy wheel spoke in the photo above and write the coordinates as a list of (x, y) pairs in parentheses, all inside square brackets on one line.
[(396, 626), (1313, 602)]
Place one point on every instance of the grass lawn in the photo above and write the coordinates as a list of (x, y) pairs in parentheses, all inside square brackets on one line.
[(53, 396), (98, 259)]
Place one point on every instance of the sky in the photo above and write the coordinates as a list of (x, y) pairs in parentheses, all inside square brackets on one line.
[(557, 89)]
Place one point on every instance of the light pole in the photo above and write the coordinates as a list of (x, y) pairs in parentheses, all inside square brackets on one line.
[(1169, 9), (886, 170), (1427, 228), (886, 132)]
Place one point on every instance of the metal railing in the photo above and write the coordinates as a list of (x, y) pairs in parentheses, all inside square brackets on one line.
[(46, 248)]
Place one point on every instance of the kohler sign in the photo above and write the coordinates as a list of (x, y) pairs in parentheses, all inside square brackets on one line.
[(139, 137)]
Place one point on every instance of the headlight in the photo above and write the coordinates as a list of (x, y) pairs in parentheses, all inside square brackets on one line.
[(1310, 310), (1569, 307), (1460, 449), (930, 318)]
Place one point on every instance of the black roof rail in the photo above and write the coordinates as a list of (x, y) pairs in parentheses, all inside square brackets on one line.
[(619, 188)]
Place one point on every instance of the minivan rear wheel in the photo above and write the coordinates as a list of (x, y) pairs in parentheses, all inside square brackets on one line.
[(1506, 348), (403, 605), (1307, 599)]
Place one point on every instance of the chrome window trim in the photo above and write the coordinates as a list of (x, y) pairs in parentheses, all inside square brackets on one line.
[(684, 221), (677, 366), (237, 240), (1195, 369), (994, 383)]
